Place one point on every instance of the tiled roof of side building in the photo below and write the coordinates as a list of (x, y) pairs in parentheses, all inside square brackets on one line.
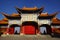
[(5, 19), (56, 21), (3, 22)]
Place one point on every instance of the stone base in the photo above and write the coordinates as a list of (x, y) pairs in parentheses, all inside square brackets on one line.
[(22, 34), (37, 34), (7, 33)]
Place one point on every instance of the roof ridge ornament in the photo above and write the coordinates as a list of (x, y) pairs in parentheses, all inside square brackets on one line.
[(54, 14), (18, 9), (30, 7), (35, 7), (41, 10)]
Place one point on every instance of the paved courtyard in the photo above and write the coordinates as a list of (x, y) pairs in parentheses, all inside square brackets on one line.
[(28, 37)]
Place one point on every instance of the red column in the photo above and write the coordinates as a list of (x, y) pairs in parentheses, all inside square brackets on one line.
[(23, 30), (36, 31)]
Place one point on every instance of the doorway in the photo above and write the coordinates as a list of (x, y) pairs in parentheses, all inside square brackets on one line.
[(29, 27), (17, 30), (45, 29)]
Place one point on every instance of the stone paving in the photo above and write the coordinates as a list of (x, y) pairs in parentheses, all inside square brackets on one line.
[(28, 37)]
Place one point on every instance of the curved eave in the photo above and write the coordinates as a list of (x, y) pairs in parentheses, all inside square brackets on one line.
[(4, 24), (48, 17), (29, 11), (45, 17), (11, 17), (54, 14), (55, 23)]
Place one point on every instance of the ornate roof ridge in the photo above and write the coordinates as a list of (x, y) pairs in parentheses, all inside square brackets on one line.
[(29, 8)]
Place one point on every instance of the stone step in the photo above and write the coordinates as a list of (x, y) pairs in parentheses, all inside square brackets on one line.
[(26, 37)]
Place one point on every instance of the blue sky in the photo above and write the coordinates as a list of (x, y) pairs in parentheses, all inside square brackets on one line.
[(8, 6)]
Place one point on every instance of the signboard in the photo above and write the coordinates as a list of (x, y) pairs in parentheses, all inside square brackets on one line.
[(14, 21), (29, 17), (44, 21)]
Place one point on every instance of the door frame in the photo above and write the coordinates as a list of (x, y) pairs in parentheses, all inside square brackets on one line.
[(14, 25)]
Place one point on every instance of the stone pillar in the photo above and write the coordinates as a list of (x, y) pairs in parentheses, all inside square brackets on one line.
[(8, 30), (22, 31)]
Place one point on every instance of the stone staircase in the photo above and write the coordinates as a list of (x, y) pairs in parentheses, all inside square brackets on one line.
[(27, 37)]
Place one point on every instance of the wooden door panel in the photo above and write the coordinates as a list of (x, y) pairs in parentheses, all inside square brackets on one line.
[(29, 29)]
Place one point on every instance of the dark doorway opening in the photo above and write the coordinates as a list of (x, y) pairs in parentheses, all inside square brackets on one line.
[(30, 27), (14, 29), (45, 29)]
